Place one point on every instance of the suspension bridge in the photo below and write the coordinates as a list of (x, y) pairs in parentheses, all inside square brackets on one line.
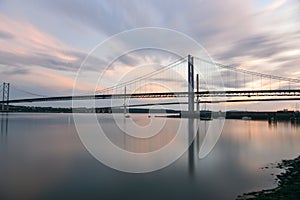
[(190, 80)]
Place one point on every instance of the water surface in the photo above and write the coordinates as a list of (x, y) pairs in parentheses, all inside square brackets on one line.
[(42, 157)]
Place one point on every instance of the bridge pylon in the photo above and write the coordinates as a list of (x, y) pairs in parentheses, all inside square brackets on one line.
[(197, 89), (191, 96), (5, 97)]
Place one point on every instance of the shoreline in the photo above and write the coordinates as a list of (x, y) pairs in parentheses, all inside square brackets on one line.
[(271, 116), (288, 183)]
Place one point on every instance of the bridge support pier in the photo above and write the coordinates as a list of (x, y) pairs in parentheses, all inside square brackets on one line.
[(5, 97)]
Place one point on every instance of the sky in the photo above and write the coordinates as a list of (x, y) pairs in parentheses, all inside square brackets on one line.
[(43, 43)]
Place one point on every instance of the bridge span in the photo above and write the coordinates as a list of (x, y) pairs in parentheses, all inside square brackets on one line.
[(202, 94), (239, 86)]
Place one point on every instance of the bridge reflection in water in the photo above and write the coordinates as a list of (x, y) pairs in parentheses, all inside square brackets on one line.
[(135, 135), (4, 127), (191, 155)]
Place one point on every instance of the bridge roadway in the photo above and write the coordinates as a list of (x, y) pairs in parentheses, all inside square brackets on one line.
[(203, 94)]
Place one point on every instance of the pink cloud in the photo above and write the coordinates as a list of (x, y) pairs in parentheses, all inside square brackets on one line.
[(27, 39), (30, 48)]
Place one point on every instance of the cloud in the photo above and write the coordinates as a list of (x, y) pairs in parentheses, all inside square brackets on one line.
[(275, 5), (15, 71), (5, 36), (62, 81), (258, 46), (102, 16), (24, 45)]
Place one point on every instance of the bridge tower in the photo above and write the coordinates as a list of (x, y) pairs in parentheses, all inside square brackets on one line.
[(197, 90), (191, 84), (191, 99), (5, 97)]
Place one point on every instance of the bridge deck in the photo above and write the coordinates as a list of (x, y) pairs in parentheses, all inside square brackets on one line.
[(202, 94)]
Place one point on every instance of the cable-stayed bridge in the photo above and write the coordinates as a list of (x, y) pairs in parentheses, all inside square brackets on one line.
[(189, 80)]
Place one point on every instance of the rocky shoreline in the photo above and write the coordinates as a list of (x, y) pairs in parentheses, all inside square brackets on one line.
[(288, 183)]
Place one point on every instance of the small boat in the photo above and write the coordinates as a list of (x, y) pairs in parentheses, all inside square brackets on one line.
[(246, 118)]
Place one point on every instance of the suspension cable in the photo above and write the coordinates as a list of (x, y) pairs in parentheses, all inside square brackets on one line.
[(251, 72), (169, 66), (27, 92)]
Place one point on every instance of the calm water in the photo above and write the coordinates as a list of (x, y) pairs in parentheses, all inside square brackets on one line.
[(42, 157)]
